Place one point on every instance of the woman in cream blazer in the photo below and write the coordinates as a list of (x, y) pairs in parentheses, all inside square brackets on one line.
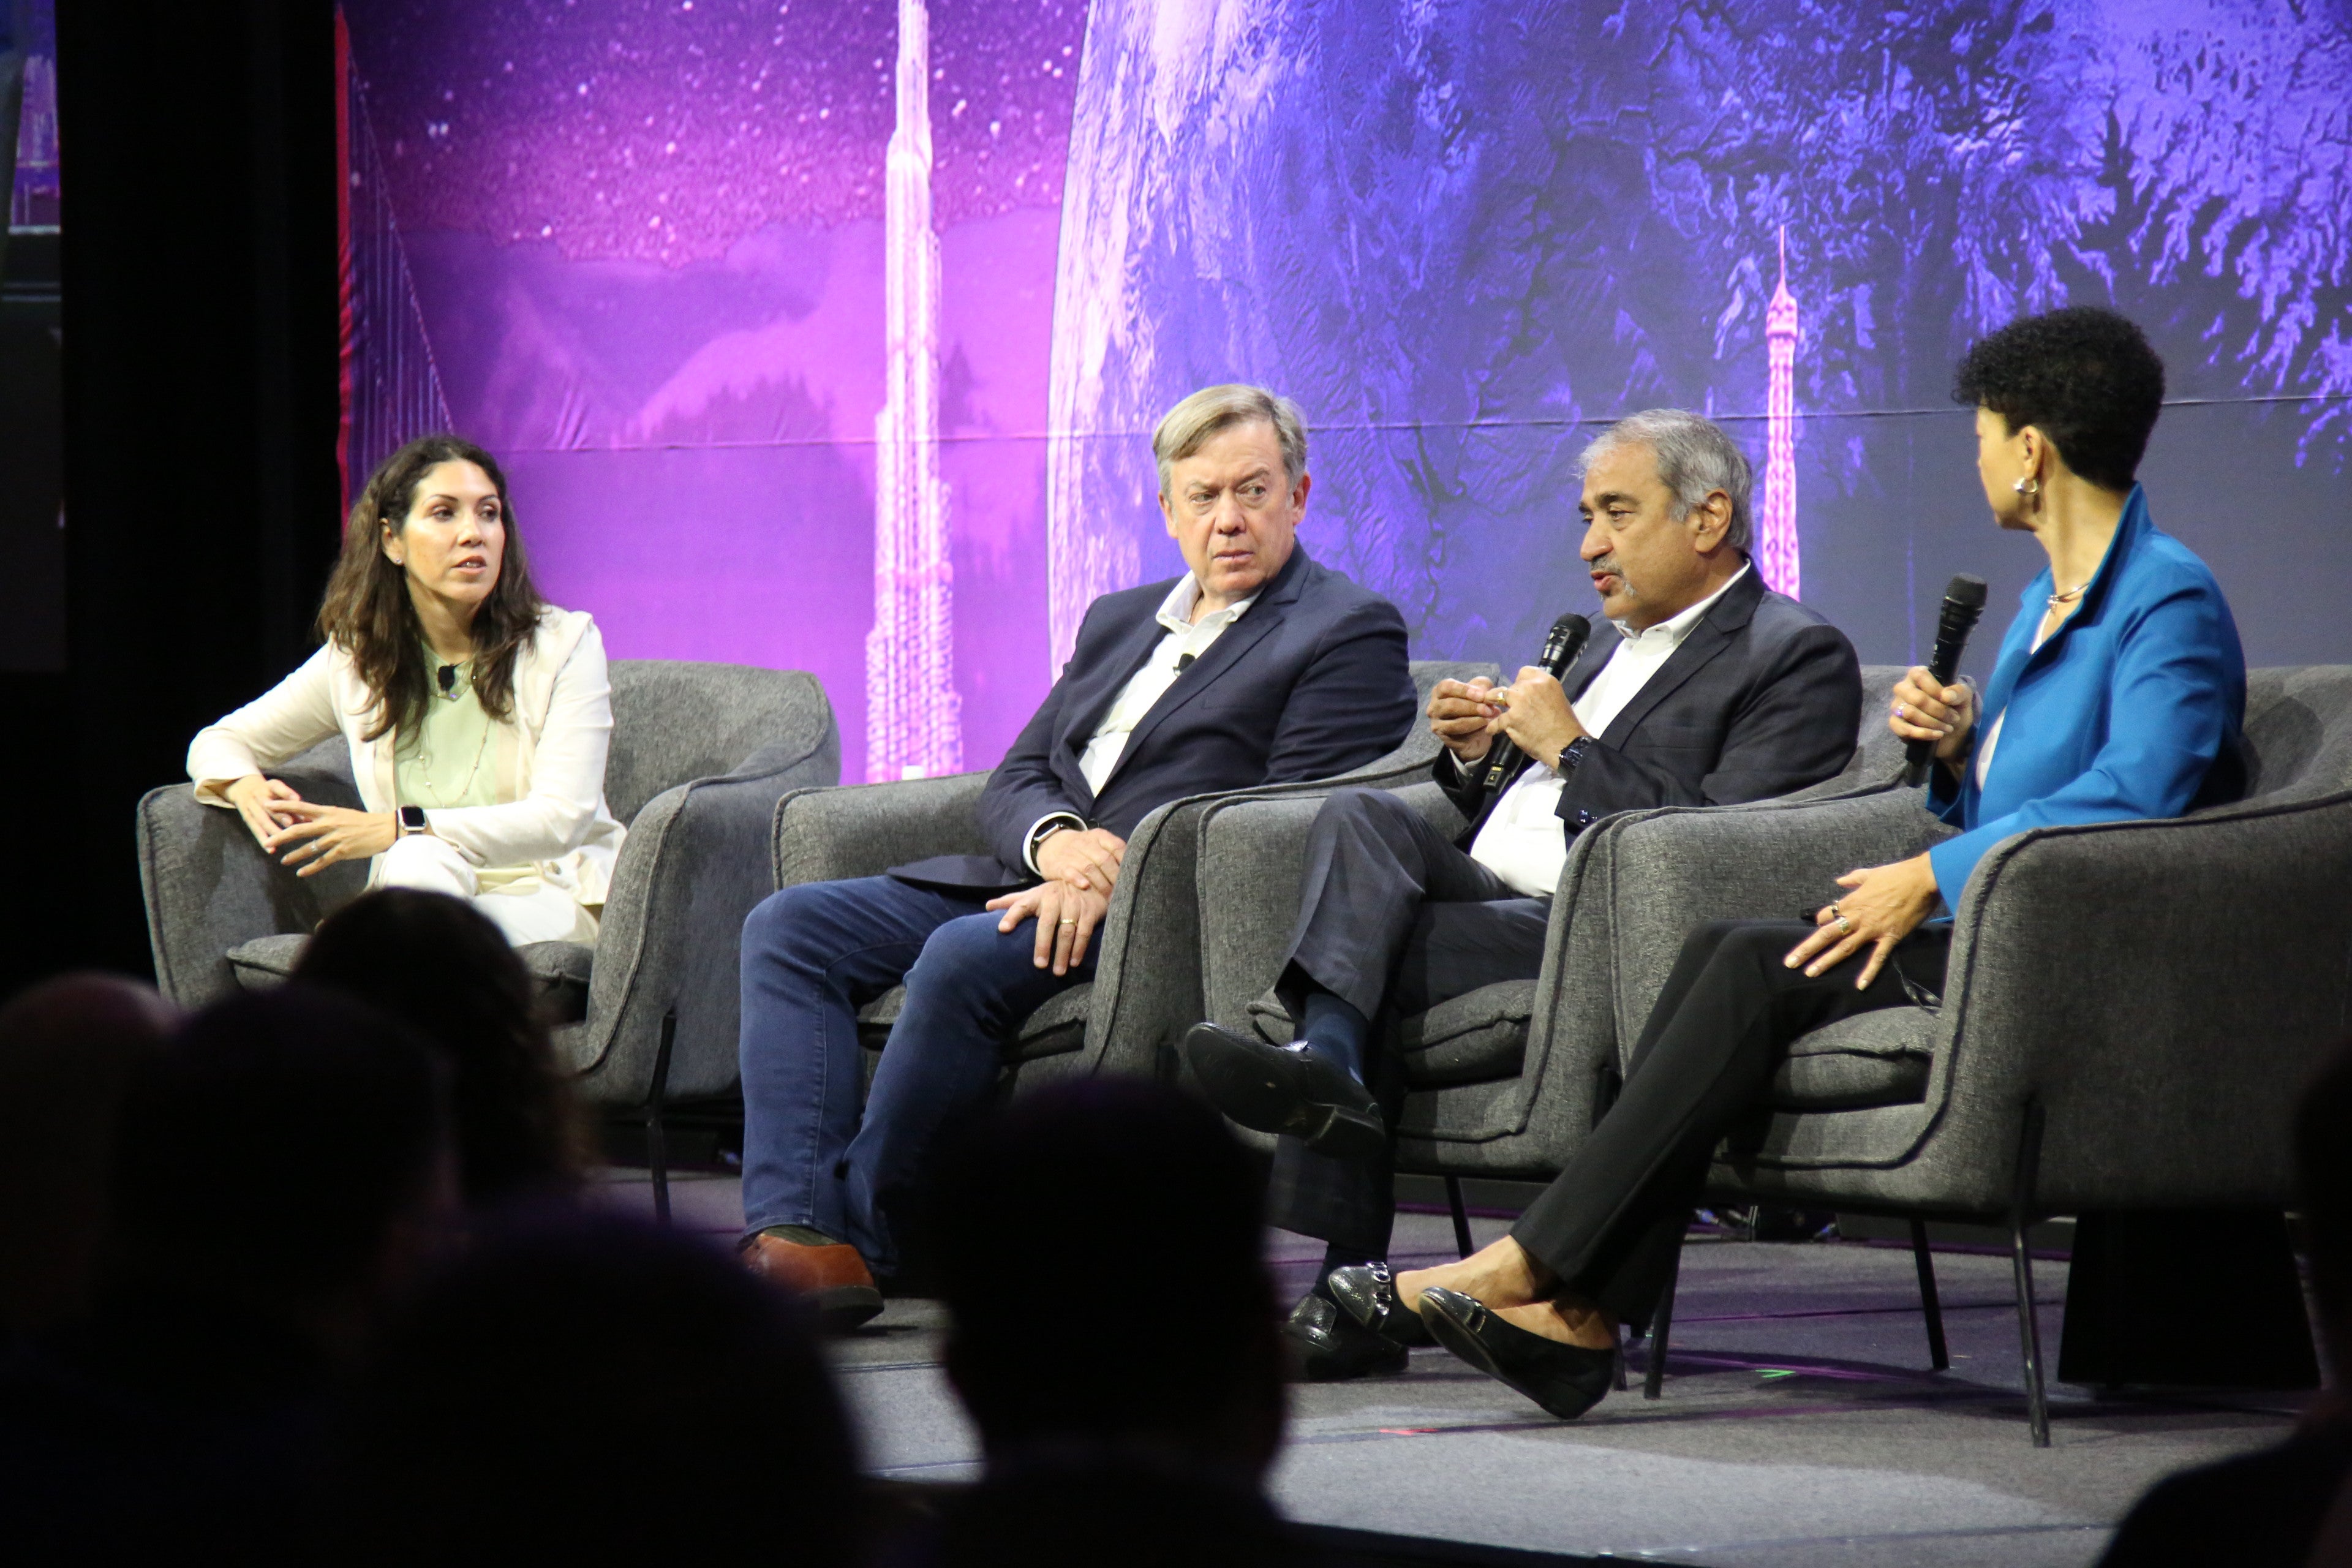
[(477, 717)]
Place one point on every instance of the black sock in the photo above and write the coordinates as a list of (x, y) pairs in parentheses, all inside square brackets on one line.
[(1335, 1029)]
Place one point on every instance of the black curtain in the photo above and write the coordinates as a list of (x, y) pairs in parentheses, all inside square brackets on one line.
[(200, 388)]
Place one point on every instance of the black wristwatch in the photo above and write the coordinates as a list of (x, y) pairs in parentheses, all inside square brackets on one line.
[(1047, 830), (1572, 753), (412, 820)]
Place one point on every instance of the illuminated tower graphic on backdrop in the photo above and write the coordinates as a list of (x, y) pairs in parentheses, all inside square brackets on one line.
[(913, 727), (1776, 555)]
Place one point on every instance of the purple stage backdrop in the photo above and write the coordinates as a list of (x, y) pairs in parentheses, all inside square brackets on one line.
[(829, 333)]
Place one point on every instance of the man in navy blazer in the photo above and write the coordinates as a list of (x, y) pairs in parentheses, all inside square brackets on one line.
[(1256, 667), (1704, 688)]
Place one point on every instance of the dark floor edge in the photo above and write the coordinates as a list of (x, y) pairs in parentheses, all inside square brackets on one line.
[(1377, 1548)]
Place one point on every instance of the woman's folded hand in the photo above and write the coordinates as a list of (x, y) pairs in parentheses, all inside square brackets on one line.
[(1883, 904), (257, 802)]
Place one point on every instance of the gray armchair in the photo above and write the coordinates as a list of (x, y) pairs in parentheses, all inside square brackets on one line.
[(2131, 1010), (1146, 989), (1501, 1082), (700, 754)]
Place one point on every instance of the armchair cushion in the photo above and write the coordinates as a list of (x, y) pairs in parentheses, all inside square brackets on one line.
[(559, 970), (1058, 1027), (1870, 1060), (1473, 1038)]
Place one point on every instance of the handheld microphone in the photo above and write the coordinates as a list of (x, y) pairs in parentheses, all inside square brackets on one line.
[(1559, 651), (1964, 601)]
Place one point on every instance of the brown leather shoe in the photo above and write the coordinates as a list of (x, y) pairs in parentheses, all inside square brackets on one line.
[(831, 1276)]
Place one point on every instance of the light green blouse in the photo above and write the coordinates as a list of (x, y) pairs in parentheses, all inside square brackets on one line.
[(452, 759)]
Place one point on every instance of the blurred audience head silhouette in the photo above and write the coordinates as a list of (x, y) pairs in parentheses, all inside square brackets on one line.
[(584, 1389), (1102, 1445), (278, 1170), (439, 966), (287, 1155), (67, 1051)]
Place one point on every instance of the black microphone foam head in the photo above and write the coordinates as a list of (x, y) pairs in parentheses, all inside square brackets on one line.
[(1567, 640), (1965, 589)]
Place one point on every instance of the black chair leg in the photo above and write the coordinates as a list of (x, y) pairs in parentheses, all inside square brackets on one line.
[(1930, 1303), (656, 1131), (2028, 1322), (1661, 1326), (1461, 1241)]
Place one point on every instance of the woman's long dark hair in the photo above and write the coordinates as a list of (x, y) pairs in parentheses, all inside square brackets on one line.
[(367, 612)]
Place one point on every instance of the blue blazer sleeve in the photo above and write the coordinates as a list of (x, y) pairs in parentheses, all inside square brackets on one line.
[(2167, 711), (1353, 703)]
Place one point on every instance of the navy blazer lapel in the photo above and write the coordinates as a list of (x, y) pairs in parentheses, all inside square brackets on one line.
[(1710, 637), (1598, 652), (1232, 643)]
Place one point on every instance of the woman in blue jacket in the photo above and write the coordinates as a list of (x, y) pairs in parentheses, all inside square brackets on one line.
[(2118, 694)]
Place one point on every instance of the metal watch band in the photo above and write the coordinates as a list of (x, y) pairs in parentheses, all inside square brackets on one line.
[(1047, 828)]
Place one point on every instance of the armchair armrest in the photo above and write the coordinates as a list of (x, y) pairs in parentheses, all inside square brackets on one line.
[(1676, 868), (1251, 871), (862, 830), (2162, 988), (695, 863), (209, 888), (1571, 1037), (1146, 984), (1151, 978)]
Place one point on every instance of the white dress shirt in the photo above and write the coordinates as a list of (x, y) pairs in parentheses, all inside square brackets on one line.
[(1523, 841), (1186, 639)]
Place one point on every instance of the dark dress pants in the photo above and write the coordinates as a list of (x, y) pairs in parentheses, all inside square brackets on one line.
[(813, 955), (1610, 1224), (1392, 919)]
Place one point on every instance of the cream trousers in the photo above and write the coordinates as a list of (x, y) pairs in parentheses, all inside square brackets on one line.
[(536, 912)]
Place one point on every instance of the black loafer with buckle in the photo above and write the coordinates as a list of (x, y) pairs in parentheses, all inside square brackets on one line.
[(1368, 1293), (1328, 1346), (1566, 1380)]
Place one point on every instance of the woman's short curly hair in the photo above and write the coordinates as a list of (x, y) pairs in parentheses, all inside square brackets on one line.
[(2085, 378)]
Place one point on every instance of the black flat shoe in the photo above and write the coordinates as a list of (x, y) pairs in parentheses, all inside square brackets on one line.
[(1367, 1291), (1286, 1089), (1326, 1345), (1566, 1380)]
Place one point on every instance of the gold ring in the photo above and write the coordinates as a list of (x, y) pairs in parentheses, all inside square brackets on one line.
[(1070, 921)]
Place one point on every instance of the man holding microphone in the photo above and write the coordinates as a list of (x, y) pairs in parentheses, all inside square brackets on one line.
[(1704, 688)]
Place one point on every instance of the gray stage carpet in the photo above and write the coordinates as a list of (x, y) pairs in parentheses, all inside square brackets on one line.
[(1799, 1425)]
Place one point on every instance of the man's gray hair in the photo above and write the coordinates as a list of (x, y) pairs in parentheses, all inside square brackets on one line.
[(1695, 458), (1186, 428)]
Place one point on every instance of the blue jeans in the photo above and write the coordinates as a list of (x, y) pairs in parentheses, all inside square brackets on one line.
[(813, 955)]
